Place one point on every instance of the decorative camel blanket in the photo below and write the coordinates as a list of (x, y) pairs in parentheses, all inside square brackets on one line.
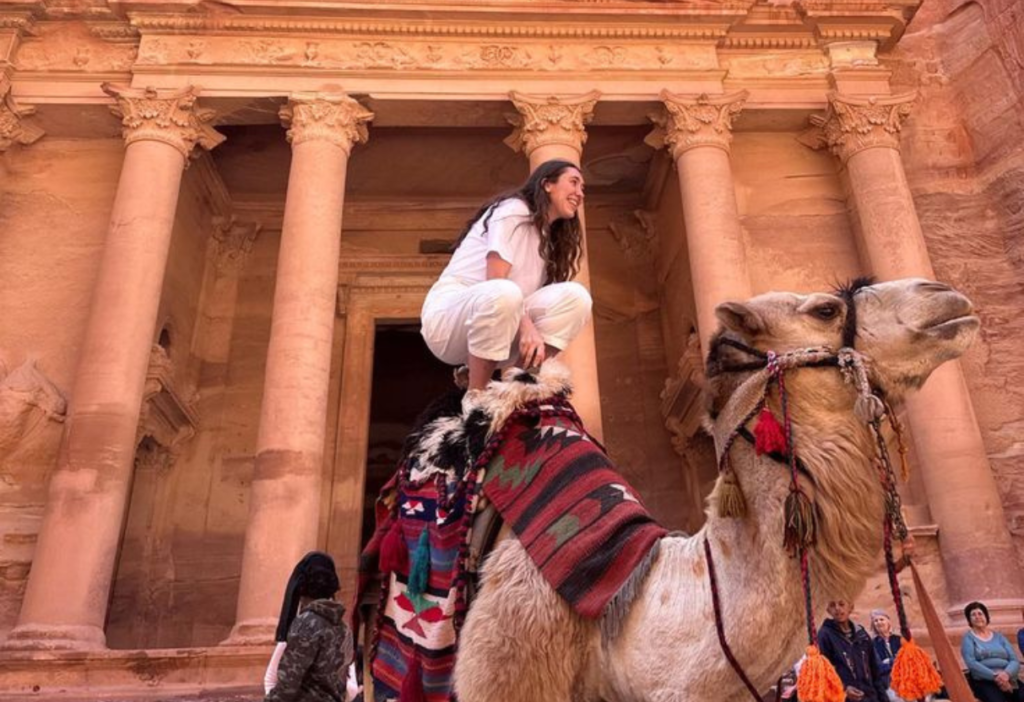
[(581, 523), (416, 629)]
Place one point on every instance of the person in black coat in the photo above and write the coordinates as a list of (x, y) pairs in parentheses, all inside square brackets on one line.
[(849, 648)]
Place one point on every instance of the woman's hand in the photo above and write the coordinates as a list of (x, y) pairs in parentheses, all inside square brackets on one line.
[(854, 693), (531, 344), (1003, 681)]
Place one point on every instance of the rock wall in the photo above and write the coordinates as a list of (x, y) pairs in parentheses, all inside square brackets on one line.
[(964, 153), (52, 225)]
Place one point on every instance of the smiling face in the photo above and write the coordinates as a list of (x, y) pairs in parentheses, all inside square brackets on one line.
[(882, 625), (978, 618), (565, 193)]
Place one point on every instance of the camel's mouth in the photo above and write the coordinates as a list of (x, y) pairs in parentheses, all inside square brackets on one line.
[(955, 317), (950, 327)]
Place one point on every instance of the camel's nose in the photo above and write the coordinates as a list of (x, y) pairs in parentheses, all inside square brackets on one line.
[(932, 286)]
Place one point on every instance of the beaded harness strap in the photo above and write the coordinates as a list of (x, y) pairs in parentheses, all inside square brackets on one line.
[(750, 400)]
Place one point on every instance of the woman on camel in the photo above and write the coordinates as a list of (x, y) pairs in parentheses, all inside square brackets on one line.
[(506, 296)]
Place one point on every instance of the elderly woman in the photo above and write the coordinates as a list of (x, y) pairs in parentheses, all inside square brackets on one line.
[(887, 645), (991, 662)]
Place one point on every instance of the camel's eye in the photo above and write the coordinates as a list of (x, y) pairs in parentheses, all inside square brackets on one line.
[(826, 312)]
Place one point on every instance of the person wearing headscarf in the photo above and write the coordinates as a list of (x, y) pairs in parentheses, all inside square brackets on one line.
[(314, 645), (990, 660)]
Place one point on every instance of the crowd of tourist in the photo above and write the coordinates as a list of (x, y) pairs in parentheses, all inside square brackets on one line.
[(315, 648), (864, 661)]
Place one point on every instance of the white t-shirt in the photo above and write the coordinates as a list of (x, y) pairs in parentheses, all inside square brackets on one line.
[(510, 234)]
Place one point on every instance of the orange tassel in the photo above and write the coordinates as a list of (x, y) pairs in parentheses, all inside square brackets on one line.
[(913, 675), (769, 436), (818, 680)]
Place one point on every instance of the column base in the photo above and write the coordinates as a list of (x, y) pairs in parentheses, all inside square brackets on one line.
[(56, 637), (253, 632)]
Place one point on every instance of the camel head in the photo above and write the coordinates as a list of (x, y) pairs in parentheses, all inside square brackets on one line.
[(906, 328)]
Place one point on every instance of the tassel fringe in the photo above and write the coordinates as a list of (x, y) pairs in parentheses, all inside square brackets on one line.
[(818, 680), (769, 436), (419, 574), (412, 684), (394, 552), (801, 529), (913, 675), (618, 607), (731, 502)]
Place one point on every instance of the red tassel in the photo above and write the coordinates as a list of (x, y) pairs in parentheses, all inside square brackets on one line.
[(394, 552), (769, 436), (412, 685)]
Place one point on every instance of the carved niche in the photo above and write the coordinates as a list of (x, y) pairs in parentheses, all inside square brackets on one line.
[(681, 399), (166, 417)]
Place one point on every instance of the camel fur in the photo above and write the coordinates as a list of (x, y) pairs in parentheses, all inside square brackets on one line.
[(521, 643)]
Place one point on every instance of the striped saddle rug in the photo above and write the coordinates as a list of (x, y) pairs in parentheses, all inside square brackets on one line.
[(582, 525)]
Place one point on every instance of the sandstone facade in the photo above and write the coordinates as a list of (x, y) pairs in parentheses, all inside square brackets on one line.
[(218, 222)]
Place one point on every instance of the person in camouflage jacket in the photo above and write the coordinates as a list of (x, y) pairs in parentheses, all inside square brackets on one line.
[(312, 668), (319, 644)]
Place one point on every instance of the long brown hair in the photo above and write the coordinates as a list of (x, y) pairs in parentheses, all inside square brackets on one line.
[(561, 241)]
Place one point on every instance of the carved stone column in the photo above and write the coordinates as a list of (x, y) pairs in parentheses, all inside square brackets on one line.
[(548, 128), (698, 131), (284, 502), (962, 493), (78, 541)]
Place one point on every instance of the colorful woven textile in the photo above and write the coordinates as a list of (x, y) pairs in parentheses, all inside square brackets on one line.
[(580, 522), (421, 626)]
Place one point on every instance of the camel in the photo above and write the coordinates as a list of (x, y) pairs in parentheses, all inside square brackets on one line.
[(522, 643)]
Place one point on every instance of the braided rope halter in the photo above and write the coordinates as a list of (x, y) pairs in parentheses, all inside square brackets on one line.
[(800, 532)]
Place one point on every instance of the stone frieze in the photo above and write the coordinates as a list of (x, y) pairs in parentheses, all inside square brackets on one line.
[(71, 46), (425, 55)]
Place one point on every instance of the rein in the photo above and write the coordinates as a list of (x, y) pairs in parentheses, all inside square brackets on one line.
[(870, 407)]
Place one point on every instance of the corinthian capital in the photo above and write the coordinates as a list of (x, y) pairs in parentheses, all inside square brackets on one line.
[(689, 121), (13, 126), (542, 121), (235, 238), (168, 116), (852, 124), (335, 118)]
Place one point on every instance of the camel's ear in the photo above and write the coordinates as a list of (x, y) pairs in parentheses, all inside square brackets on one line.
[(737, 317)]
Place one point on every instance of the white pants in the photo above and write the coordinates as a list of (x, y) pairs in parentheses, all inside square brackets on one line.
[(483, 319)]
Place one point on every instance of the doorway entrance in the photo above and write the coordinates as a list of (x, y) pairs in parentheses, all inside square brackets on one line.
[(406, 378)]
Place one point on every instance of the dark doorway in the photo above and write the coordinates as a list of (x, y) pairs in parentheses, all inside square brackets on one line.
[(406, 378)]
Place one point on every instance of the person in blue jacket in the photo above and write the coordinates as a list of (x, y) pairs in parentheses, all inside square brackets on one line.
[(849, 648), (992, 665)]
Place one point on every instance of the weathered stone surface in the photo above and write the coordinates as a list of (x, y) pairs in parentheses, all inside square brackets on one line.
[(966, 168), (434, 156)]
